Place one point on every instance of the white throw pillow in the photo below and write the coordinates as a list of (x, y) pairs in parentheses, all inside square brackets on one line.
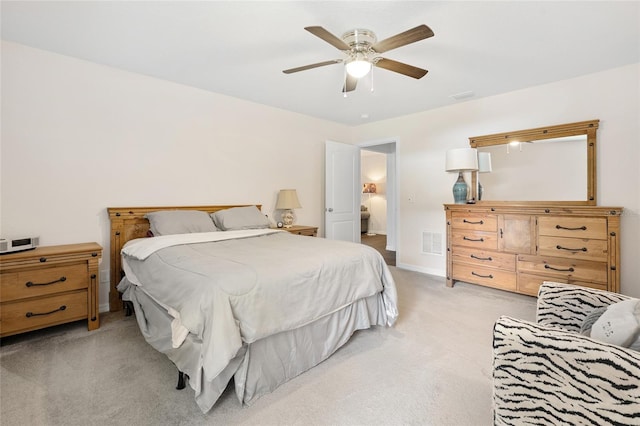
[(619, 325)]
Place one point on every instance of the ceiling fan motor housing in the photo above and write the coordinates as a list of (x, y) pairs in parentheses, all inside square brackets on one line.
[(360, 39)]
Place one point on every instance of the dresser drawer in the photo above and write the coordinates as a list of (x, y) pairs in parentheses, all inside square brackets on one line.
[(43, 281), (489, 259), (484, 276), (573, 227), (569, 269), (530, 284), (475, 239), (42, 312), (475, 222), (573, 248), (308, 232)]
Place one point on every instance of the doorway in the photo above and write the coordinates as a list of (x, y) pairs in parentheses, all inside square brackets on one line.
[(379, 197)]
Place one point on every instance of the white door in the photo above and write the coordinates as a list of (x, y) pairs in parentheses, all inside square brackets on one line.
[(342, 189)]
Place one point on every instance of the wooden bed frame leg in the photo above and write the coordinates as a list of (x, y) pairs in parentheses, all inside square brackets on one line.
[(128, 308), (181, 381)]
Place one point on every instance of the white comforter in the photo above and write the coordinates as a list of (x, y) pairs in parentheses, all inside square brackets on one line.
[(233, 288)]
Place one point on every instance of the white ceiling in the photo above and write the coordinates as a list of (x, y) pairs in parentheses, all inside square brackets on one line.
[(240, 48)]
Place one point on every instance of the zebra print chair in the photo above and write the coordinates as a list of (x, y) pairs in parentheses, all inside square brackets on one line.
[(547, 373)]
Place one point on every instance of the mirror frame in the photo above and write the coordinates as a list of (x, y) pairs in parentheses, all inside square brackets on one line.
[(540, 133)]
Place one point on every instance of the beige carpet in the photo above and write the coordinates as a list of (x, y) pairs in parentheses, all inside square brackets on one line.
[(432, 368)]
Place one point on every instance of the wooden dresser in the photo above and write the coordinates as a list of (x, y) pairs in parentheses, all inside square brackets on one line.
[(48, 286), (516, 247)]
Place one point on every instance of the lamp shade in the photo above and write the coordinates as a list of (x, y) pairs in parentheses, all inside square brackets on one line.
[(288, 199), (461, 159), (358, 68), (369, 188), (484, 162)]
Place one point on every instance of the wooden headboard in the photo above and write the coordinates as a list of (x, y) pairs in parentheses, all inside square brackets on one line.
[(128, 223)]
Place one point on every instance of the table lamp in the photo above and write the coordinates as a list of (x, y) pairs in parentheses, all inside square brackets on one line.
[(461, 160), (287, 201), (369, 188)]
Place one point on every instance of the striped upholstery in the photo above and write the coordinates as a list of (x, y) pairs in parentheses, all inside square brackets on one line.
[(546, 375), (566, 306)]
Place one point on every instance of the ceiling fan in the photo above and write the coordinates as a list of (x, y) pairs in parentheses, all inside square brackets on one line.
[(362, 50)]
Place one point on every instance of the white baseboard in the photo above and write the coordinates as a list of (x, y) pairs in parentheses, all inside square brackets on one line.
[(428, 271)]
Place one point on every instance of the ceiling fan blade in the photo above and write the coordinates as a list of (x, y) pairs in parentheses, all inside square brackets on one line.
[(311, 66), (349, 84), (399, 67), (328, 37), (410, 36)]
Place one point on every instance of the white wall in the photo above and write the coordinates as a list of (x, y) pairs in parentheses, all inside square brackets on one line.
[(612, 96), (79, 137), (373, 168)]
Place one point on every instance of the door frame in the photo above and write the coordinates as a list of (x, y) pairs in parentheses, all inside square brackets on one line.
[(390, 147)]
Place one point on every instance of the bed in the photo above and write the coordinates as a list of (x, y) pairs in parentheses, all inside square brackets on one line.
[(234, 299)]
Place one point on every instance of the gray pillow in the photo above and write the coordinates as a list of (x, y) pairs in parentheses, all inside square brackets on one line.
[(235, 218), (169, 222), (591, 318)]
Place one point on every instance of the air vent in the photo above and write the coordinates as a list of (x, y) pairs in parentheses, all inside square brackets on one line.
[(432, 243), (463, 95)]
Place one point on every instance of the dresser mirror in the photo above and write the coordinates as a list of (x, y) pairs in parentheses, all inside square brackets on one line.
[(554, 164)]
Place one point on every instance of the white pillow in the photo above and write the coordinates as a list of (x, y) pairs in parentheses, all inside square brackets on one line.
[(619, 325)]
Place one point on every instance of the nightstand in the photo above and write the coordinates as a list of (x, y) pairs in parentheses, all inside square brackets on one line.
[(48, 286), (311, 231)]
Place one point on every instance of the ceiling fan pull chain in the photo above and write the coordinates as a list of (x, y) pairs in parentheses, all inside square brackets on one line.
[(372, 79), (344, 78)]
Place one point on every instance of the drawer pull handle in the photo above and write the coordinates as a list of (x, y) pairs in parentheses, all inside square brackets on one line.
[(480, 222), (59, 280), (482, 276), (472, 239), (31, 314), (580, 228), (559, 269), (473, 256), (571, 249)]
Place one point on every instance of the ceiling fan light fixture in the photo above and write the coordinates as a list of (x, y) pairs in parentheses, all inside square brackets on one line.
[(358, 68), (363, 51)]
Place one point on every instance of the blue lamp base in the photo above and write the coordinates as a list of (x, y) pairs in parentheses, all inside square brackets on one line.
[(460, 190)]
